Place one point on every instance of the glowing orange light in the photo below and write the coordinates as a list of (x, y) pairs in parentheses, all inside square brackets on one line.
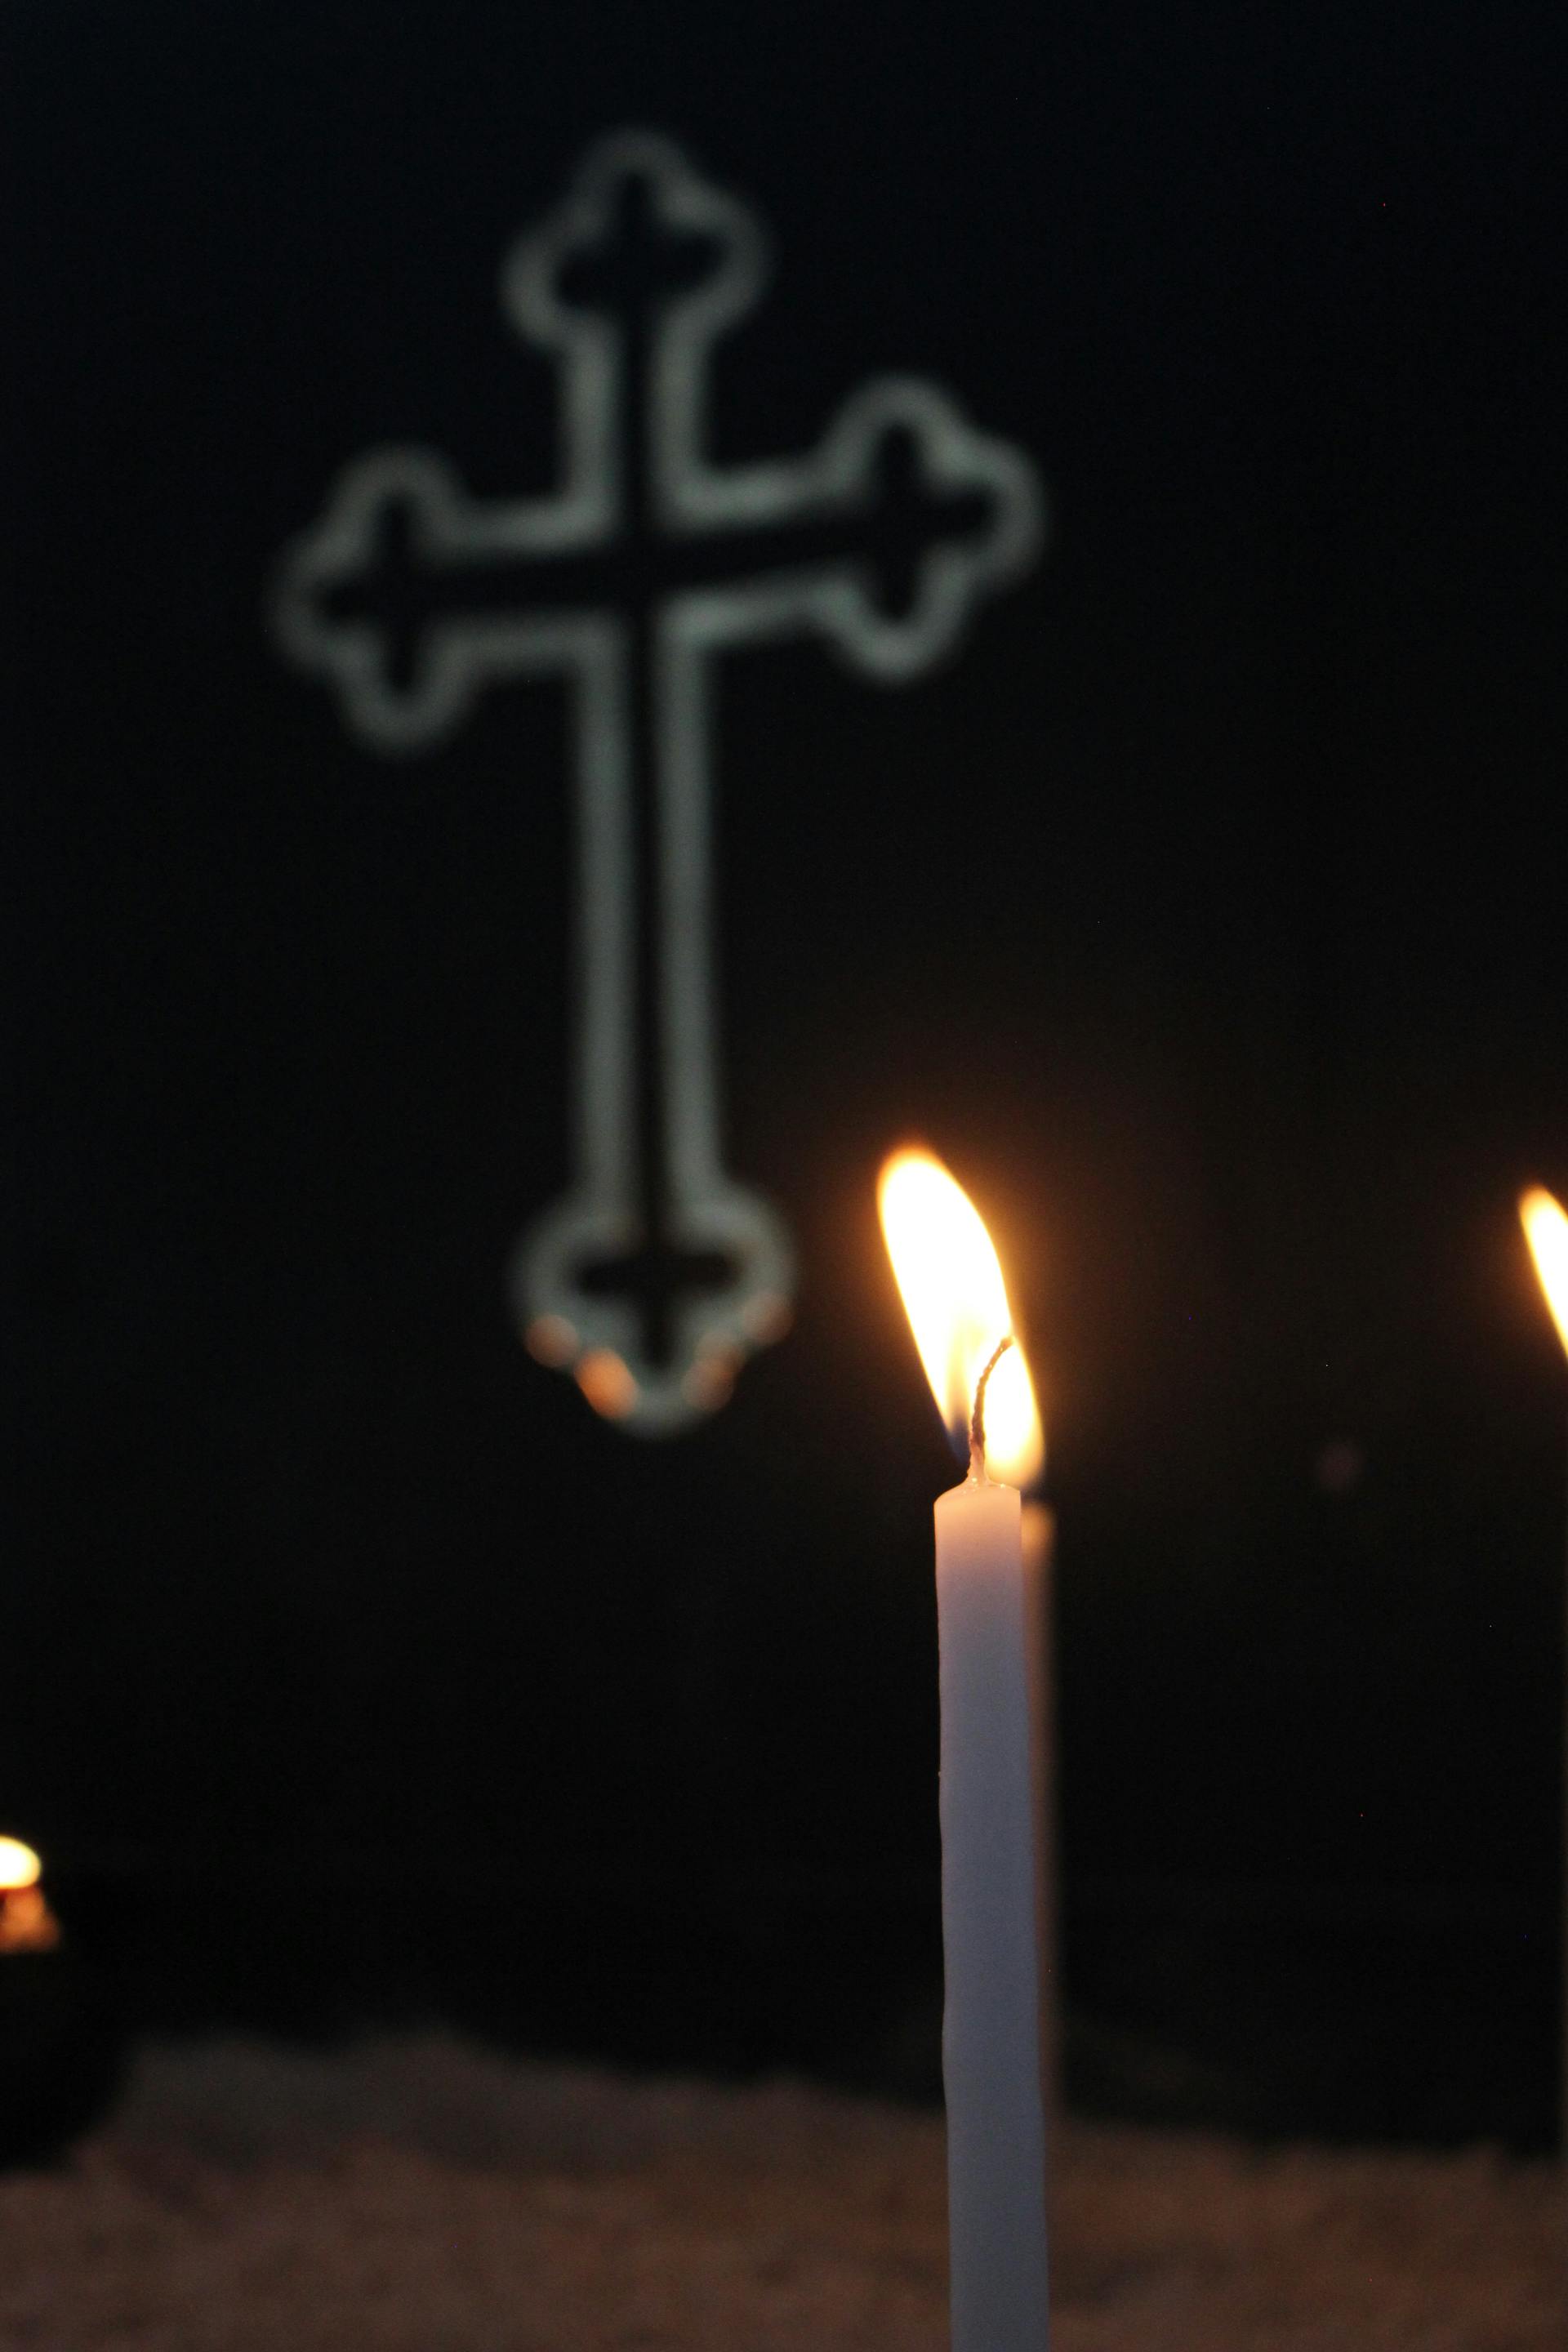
[(1546, 1230), (19, 1866), (951, 1281), (27, 1923), (607, 1381)]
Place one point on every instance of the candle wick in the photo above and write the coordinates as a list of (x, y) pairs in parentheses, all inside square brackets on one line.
[(977, 1418)]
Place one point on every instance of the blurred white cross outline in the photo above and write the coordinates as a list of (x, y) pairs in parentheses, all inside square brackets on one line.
[(656, 1272)]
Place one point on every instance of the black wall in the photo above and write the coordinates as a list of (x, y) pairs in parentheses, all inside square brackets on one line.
[(1206, 914)]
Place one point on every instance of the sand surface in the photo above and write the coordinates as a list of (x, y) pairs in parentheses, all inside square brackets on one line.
[(424, 2196)]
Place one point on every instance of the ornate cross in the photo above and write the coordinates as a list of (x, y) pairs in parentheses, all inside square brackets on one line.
[(657, 1273)]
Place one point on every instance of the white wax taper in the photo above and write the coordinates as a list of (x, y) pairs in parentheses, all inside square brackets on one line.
[(1039, 1533), (990, 1914), (1546, 1230)]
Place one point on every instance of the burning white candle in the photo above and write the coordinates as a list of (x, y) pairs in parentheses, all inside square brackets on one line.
[(1546, 1230), (991, 1910)]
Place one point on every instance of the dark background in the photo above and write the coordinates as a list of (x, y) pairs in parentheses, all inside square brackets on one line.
[(1207, 915)]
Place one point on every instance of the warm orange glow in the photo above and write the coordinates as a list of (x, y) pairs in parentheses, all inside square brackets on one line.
[(1546, 1230), (952, 1290), (19, 1865), (607, 1381), (27, 1923)]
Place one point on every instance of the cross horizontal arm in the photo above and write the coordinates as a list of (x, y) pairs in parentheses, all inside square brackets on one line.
[(883, 540)]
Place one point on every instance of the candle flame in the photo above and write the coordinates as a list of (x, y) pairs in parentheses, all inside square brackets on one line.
[(951, 1281), (19, 1866), (1546, 1230), (27, 1922)]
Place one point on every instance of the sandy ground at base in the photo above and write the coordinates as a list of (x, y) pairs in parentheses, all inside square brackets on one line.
[(426, 2196)]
